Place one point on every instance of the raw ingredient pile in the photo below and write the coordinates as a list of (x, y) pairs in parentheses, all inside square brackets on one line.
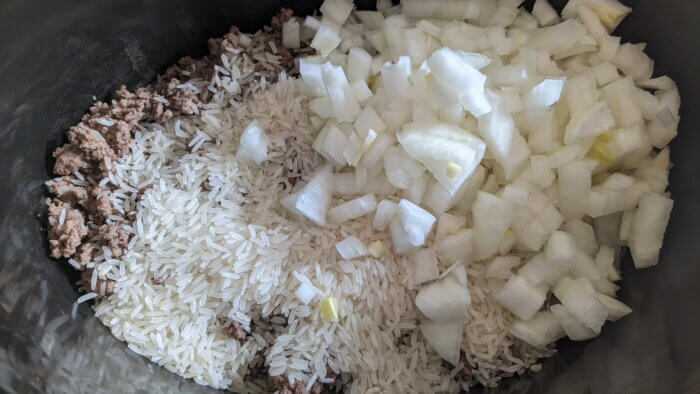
[(441, 194)]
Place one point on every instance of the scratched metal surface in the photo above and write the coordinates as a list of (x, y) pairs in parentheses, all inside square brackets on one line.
[(55, 55)]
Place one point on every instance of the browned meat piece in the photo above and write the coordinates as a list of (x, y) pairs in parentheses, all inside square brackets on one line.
[(229, 42), (277, 383), (64, 238), (281, 385), (316, 388), (86, 278), (286, 58), (86, 252), (66, 191), (115, 237), (188, 68), (99, 206), (118, 137), (91, 142), (131, 107), (69, 159), (181, 100), (236, 331)]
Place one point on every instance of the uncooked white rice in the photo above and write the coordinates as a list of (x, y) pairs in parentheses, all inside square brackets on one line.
[(200, 257)]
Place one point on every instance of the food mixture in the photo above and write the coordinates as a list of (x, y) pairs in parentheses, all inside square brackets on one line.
[(421, 198)]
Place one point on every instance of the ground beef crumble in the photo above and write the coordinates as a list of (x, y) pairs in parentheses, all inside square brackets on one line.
[(236, 331), (66, 228), (115, 237), (281, 385)]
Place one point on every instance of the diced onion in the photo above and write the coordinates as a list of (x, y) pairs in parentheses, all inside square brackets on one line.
[(351, 247), (444, 300), (353, 209), (426, 268)]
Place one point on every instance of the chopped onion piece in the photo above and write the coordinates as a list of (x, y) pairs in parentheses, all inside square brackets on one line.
[(345, 105), (545, 94), (370, 19), (544, 13), (329, 309), (575, 330), (426, 268), (492, 216), (416, 222), (353, 209), (290, 34), (449, 224), (558, 38), (376, 249), (504, 140), (500, 267), (561, 250), (306, 290), (386, 212), (358, 67), (444, 300), (544, 328), (325, 40), (351, 247), (452, 70), (580, 299), (457, 247), (590, 123), (400, 240), (648, 229), (336, 10), (520, 297), (330, 143), (584, 235), (445, 338), (314, 199), (436, 144), (616, 308), (440, 9), (253, 144)]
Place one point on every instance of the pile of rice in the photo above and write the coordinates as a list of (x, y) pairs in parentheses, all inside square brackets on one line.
[(211, 245)]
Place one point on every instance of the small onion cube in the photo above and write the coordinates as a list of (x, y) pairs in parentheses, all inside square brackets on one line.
[(314, 199), (253, 143), (575, 330), (616, 309), (400, 240), (520, 297), (325, 40), (444, 300), (425, 265), (416, 222), (359, 64), (445, 338), (500, 267), (457, 247), (648, 229), (386, 212), (544, 328), (290, 34), (353, 209), (351, 247), (580, 299)]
